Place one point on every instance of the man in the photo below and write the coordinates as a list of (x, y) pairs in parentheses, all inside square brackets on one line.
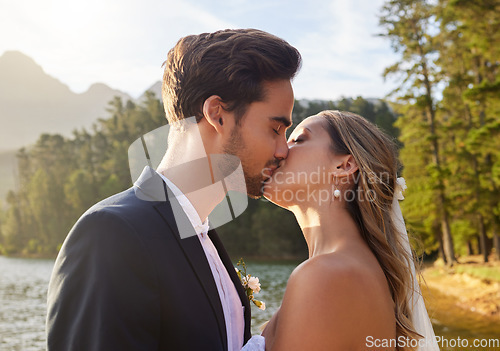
[(129, 276)]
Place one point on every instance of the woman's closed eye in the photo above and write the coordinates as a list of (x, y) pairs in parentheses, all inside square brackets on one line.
[(296, 140)]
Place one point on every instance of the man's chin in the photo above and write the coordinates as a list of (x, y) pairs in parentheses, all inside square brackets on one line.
[(256, 194), (255, 187), (254, 197)]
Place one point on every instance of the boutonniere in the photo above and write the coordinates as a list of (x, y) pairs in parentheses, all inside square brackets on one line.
[(250, 284)]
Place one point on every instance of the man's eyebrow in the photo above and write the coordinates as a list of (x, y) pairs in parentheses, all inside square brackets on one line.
[(283, 120)]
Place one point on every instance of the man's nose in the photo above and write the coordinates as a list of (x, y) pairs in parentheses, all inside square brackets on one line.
[(281, 149)]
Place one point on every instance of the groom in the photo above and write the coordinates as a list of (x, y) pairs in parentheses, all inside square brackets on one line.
[(129, 276)]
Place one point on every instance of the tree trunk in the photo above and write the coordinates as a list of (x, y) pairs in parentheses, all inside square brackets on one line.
[(496, 243), (470, 251), (439, 237), (478, 244), (431, 120), (482, 237), (449, 250), (496, 240)]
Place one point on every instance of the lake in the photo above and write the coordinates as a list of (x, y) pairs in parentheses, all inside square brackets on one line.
[(23, 289)]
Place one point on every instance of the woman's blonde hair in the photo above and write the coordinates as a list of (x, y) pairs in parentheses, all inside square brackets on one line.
[(376, 157)]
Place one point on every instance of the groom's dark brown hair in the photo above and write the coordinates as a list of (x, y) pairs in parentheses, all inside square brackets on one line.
[(230, 63)]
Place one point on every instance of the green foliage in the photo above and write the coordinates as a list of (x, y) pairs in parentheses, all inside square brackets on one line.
[(378, 111), (451, 140), (484, 272), (60, 178), (420, 205)]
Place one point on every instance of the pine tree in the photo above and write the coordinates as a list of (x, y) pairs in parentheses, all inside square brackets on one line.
[(469, 39), (409, 25)]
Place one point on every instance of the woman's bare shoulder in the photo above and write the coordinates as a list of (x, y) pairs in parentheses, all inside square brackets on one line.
[(346, 285), (326, 298), (331, 271)]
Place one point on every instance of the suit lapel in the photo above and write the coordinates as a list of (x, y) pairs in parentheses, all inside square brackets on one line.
[(236, 281), (148, 187)]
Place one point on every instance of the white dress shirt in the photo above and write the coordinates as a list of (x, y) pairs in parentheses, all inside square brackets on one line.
[(229, 298)]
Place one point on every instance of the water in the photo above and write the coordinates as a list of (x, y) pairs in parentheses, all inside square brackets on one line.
[(23, 289), (23, 294), (451, 322), (273, 277)]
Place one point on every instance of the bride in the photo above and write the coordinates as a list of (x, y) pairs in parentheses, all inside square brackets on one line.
[(357, 290)]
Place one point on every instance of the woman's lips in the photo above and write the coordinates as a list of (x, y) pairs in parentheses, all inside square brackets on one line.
[(269, 171), (281, 164)]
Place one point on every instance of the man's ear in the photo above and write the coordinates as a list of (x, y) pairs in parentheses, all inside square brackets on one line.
[(213, 112)]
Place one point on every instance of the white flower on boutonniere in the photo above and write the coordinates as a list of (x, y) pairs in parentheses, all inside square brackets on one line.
[(250, 284), (253, 283)]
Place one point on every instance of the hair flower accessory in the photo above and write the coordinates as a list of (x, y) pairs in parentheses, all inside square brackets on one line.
[(250, 284), (400, 188)]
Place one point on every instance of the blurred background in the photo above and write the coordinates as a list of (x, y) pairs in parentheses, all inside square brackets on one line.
[(80, 81)]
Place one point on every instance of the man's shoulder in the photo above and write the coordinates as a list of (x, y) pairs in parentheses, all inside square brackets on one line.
[(124, 209), (120, 220), (124, 204), (123, 200)]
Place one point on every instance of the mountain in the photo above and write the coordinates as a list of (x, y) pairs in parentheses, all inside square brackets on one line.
[(155, 88), (32, 102)]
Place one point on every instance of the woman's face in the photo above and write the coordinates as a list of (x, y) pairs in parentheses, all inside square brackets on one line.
[(307, 173)]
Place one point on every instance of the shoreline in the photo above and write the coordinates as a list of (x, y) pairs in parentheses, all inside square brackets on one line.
[(31, 256), (467, 285)]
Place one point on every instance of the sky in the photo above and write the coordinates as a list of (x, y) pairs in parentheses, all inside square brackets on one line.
[(123, 43)]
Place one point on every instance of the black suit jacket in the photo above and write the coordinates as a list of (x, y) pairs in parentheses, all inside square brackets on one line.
[(125, 280)]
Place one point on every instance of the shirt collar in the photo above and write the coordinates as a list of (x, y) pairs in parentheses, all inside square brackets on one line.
[(187, 206)]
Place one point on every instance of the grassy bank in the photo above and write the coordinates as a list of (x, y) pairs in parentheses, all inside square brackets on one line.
[(471, 285)]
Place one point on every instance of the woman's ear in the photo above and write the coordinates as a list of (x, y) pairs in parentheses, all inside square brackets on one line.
[(346, 165), (213, 112), (350, 165)]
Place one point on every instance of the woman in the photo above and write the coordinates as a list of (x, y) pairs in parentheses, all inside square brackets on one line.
[(355, 292)]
